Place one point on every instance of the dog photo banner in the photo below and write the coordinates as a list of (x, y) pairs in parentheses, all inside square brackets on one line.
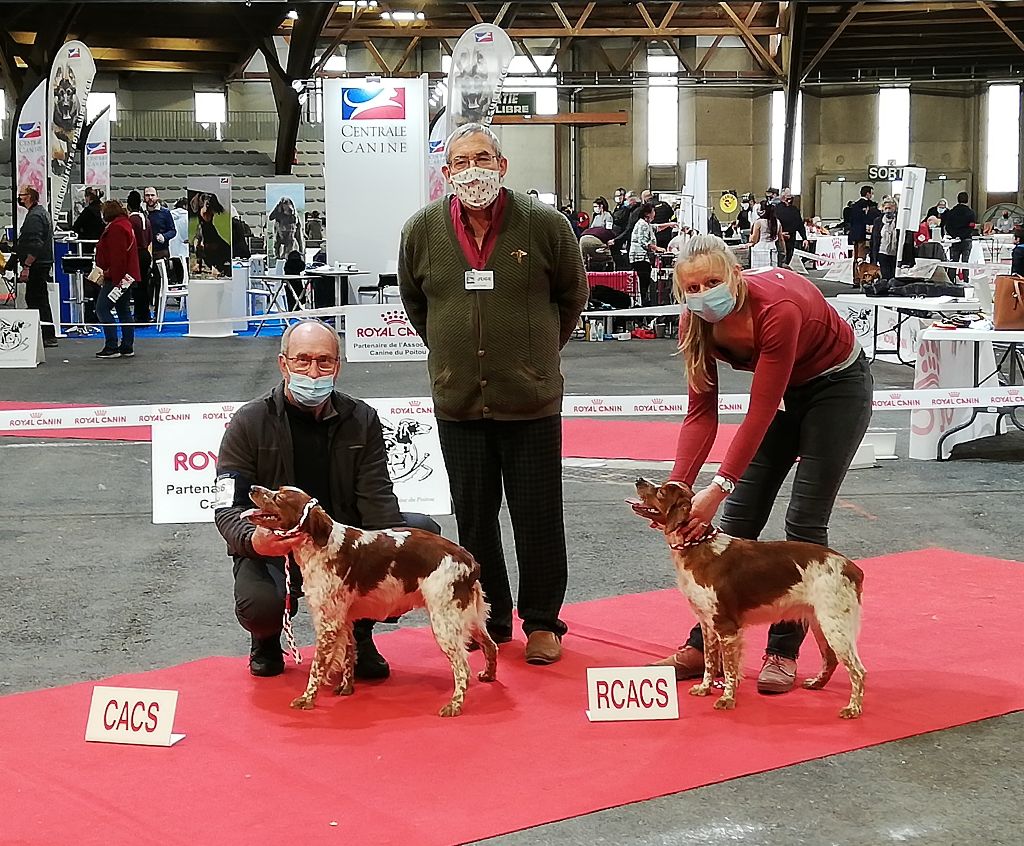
[(97, 155), (286, 208), (71, 79), (209, 227)]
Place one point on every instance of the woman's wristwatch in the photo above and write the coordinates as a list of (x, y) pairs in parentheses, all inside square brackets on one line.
[(727, 485)]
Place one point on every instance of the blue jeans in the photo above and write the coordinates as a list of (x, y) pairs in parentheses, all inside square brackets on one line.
[(823, 424), (105, 311)]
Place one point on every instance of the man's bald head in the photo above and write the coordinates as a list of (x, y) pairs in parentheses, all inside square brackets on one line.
[(298, 336)]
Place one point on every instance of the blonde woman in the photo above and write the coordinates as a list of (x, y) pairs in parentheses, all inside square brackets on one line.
[(810, 399)]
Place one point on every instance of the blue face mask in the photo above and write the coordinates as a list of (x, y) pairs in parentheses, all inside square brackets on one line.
[(309, 391), (713, 305)]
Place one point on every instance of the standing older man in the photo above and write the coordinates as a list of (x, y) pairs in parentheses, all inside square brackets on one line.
[(160, 219), (307, 434), (35, 255), (494, 284)]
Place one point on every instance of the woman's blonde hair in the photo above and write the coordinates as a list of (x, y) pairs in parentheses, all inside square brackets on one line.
[(695, 342)]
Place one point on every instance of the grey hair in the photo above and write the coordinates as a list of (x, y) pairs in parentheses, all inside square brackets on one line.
[(306, 322), (471, 129)]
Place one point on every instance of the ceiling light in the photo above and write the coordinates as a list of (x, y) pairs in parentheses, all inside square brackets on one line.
[(402, 16), (292, 15)]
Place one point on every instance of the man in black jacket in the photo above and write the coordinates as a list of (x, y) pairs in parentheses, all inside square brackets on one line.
[(35, 255), (862, 216), (791, 223), (307, 434), (960, 223)]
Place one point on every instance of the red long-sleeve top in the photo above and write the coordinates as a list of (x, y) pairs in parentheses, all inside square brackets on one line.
[(797, 336), (117, 252)]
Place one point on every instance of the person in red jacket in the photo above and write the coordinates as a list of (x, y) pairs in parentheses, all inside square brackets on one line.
[(810, 399), (118, 254)]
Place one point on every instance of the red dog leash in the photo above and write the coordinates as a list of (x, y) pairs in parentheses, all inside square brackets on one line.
[(286, 624)]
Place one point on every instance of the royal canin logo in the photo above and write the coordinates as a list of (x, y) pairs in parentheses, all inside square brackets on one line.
[(1013, 391), (954, 393), (415, 403), (227, 408), (596, 401), (99, 412), (164, 409), (895, 394), (35, 414), (657, 400)]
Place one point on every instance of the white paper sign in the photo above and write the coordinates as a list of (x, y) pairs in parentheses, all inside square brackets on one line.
[(21, 339), (631, 693), (135, 715), (831, 247), (185, 470), (381, 333)]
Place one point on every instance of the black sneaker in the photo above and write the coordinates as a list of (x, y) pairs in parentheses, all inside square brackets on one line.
[(127, 353), (370, 664), (105, 353), (265, 657), (49, 343)]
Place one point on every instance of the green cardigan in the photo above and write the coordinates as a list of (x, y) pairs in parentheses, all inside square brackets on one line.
[(495, 354)]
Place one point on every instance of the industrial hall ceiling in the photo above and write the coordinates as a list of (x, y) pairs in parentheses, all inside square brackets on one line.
[(812, 43)]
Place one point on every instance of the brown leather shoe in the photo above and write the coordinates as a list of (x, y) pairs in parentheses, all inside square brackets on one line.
[(688, 662), (778, 675), (543, 648)]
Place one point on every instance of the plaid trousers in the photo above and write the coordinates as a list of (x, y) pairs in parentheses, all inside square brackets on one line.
[(524, 457)]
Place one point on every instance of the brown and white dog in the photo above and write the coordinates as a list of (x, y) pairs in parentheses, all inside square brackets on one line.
[(731, 583), (865, 272), (349, 574)]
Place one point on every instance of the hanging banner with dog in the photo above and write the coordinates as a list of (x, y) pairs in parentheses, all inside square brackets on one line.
[(209, 226), (97, 155), (30, 146), (286, 207), (71, 79)]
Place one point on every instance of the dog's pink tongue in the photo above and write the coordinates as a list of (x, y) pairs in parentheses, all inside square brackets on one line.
[(249, 514)]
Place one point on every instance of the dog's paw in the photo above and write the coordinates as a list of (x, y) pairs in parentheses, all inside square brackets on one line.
[(344, 689), (700, 690), (484, 676), (850, 712), (451, 710), (724, 704), (303, 703)]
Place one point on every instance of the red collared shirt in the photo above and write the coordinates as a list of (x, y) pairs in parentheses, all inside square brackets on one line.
[(478, 256)]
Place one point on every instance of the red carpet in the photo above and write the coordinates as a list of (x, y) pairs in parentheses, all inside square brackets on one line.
[(641, 440), (388, 771)]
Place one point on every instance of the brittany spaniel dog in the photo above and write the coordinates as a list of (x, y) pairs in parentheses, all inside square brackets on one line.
[(731, 583), (349, 574)]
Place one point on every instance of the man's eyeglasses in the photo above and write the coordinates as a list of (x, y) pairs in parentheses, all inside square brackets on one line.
[(305, 362), (480, 160)]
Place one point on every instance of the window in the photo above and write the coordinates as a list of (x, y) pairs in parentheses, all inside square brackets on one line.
[(779, 139), (662, 111), (1002, 154), (894, 129), (211, 107), (336, 63), (97, 102), (520, 66)]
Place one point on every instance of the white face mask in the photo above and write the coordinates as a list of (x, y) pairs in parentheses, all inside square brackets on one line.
[(476, 187)]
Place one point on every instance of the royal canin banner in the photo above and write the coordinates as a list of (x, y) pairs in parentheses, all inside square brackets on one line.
[(39, 419), (30, 146)]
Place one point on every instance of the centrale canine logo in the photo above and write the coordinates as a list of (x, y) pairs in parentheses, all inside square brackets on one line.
[(373, 103)]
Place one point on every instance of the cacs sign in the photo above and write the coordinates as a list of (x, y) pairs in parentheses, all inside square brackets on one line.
[(381, 333)]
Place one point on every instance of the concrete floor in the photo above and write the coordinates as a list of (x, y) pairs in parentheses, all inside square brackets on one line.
[(134, 596)]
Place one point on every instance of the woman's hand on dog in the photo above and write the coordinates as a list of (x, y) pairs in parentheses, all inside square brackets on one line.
[(703, 510)]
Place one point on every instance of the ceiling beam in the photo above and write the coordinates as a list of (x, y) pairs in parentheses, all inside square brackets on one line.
[(377, 57), (595, 31), (850, 15), (999, 23), (325, 57), (710, 53), (405, 56), (763, 57)]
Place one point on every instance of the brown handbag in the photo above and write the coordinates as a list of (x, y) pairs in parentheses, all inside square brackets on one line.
[(1008, 303)]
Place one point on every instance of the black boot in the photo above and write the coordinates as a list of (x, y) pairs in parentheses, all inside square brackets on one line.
[(265, 656), (370, 664)]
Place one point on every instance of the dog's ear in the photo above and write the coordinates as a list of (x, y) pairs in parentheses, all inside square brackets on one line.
[(319, 526), (194, 203), (676, 499)]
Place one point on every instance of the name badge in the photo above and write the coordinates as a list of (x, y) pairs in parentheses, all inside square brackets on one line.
[(479, 280)]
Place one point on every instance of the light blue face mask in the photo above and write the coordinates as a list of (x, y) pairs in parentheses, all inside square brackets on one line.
[(309, 391), (712, 305)]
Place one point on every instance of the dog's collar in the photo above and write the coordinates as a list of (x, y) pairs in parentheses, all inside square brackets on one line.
[(710, 534), (297, 528)]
